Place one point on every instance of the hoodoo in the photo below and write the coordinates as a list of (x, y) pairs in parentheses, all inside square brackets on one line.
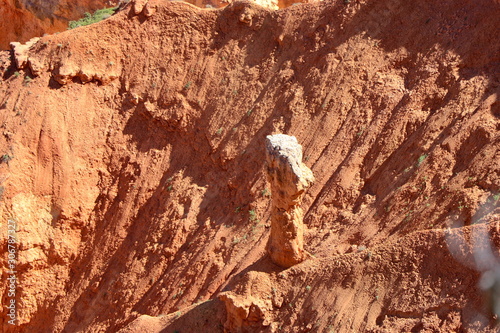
[(289, 178)]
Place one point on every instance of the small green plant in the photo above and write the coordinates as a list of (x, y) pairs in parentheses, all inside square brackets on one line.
[(16, 73), (27, 80), (219, 131), (237, 210), (265, 193), (252, 215), (98, 15), (169, 188), (254, 229), (308, 288), (187, 85), (421, 159), (6, 158), (249, 112)]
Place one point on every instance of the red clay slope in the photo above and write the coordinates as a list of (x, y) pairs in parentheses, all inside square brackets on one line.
[(143, 191)]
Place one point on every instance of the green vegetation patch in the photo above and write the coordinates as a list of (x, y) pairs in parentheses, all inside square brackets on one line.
[(98, 15)]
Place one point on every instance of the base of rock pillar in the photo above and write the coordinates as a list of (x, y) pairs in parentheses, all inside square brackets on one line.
[(287, 259)]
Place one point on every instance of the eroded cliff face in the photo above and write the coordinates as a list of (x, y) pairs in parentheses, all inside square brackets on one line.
[(134, 167), (23, 19)]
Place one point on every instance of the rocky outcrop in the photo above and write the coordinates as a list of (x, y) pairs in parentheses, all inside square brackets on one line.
[(289, 178), (245, 313), (21, 52), (249, 305)]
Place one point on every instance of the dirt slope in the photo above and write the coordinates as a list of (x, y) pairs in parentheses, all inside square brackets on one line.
[(142, 191)]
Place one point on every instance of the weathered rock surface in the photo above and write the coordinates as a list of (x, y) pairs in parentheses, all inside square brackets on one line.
[(21, 52), (249, 305), (289, 178), (244, 312)]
